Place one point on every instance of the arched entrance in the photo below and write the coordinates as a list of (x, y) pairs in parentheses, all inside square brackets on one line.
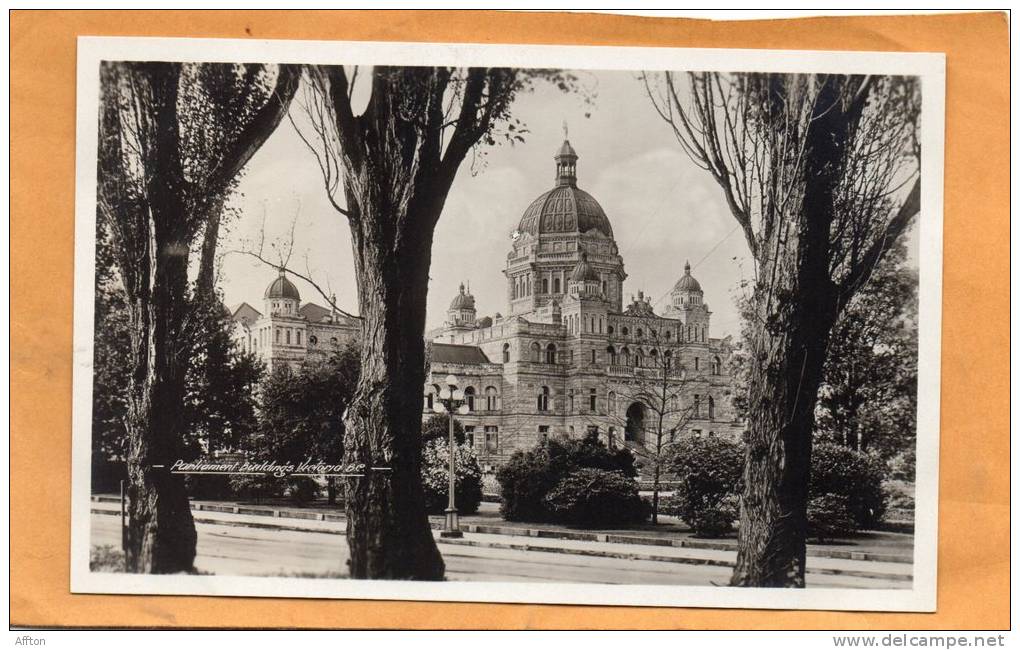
[(635, 423)]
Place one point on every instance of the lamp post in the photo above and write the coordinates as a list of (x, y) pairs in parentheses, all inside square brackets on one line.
[(451, 399)]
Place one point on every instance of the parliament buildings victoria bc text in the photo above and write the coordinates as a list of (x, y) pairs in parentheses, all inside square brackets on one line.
[(567, 358)]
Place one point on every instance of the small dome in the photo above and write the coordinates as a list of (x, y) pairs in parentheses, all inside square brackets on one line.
[(281, 287), (687, 282), (566, 150), (463, 300), (583, 271)]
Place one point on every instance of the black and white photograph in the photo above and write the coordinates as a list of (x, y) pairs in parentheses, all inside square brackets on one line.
[(549, 324)]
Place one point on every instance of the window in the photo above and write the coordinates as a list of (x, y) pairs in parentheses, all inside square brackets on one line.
[(697, 363), (491, 399), (570, 396), (550, 353), (611, 351), (711, 408), (506, 353), (697, 406), (640, 333), (288, 336), (543, 399), (669, 335), (626, 331), (536, 352), (556, 285), (298, 332), (639, 359), (429, 401), (594, 357), (491, 439), (543, 432), (716, 366), (592, 400), (277, 335), (625, 356), (612, 403), (469, 436), (545, 285), (333, 341), (696, 433), (655, 357), (469, 397), (609, 330)]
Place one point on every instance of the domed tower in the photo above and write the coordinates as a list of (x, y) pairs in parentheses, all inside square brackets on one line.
[(687, 303), (461, 313), (282, 297), (559, 227)]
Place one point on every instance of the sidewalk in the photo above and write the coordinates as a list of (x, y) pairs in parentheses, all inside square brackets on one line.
[(862, 565)]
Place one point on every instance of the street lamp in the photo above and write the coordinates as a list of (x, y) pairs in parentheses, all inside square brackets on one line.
[(451, 399)]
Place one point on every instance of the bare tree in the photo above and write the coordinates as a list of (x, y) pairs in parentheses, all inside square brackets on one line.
[(388, 170), (662, 391), (815, 170), (155, 194)]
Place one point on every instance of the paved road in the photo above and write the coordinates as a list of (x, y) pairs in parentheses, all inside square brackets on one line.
[(241, 550)]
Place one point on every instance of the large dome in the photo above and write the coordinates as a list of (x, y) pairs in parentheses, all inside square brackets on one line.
[(565, 209), (281, 287)]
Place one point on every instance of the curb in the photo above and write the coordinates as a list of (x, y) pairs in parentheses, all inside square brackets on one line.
[(490, 529), (899, 577)]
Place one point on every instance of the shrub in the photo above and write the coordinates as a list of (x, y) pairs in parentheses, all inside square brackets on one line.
[(529, 475), (301, 489), (829, 517), (209, 486), (257, 486), (106, 559), (437, 427), (708, 473), (594, 498), (436, 477), (839, 470)]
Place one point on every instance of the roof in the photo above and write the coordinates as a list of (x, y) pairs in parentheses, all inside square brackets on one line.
[(566, 150), (314, 313), (281, 287), (687, 281), (463, 300), (565, 209), (450, 353), (245, 313)]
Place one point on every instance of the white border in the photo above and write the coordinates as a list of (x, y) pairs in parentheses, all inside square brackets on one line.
[(930, 67)]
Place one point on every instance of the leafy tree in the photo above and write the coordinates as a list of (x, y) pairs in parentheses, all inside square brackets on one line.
[(868, 399), (829, 517), (302, 410), (156, 191), (597, 498), (437, 427), (529, 475), (857, 476), (388, 171), (436, 477), (822, 175), (708, 471)]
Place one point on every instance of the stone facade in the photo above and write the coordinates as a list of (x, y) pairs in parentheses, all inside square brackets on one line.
[(570, 356), (288, 332)]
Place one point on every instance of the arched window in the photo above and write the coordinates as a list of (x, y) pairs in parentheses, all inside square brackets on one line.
[(592, 400), (626, 331), (550, 353), (491, 399), (689, 333), (625, 356), (600, 324), (543, 399), (313, 340), (639, 358), (609, 330), (697, 363), (611, 399), (611, 351), (536, 352), (429, 401), (655, 357), (639, 333), (711, 408), (594, 357), (545, 285), (669, 335), (697, 406), (506, 353), (469, 397), (556, 285), (716, 366)]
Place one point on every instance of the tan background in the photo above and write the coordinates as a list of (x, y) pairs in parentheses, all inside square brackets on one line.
[(974, 508)]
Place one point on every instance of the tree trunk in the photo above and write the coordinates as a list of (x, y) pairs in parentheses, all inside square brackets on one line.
[(161, 535), (797, 307), (388, 530)]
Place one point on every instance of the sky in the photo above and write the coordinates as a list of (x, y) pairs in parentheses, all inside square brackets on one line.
[(663, 209)]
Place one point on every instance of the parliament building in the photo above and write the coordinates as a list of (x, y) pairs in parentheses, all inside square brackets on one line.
[(568, 357)]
